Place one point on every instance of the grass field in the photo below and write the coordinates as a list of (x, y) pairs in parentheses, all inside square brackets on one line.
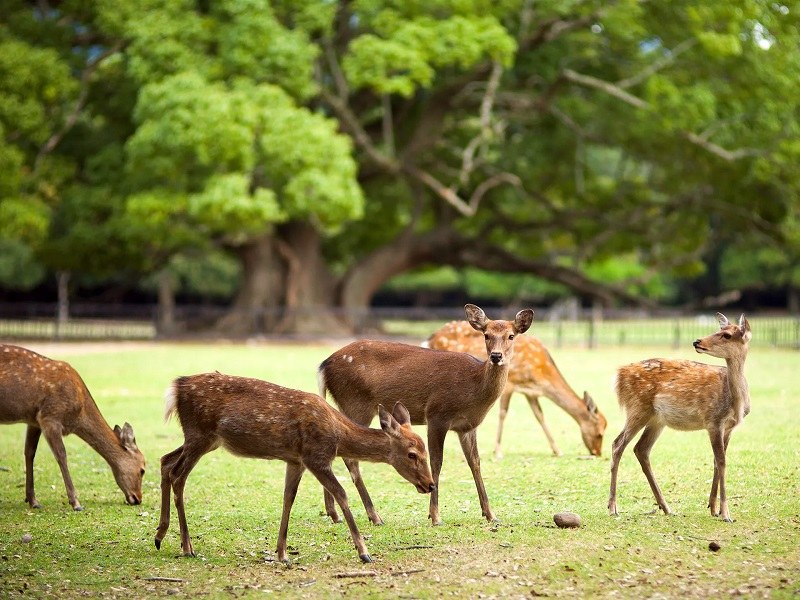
[(233, 504)]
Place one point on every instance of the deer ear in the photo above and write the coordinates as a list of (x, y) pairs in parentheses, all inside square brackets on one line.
[(126, 437), (744, 325), (523, 320), (476, 317), (722, 320), (589, 402), (388, 422), (401, 414)]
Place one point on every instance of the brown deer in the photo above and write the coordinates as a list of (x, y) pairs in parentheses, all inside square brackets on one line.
[(257, 419), (687, 396), (533, 373), (51, 398), (446, 390)]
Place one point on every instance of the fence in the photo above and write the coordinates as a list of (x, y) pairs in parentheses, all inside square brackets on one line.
[(139, 322)]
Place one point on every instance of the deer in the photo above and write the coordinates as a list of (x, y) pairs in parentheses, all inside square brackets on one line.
[(687, 396), (533, 373), (50, 397), (445, 390), (258, 419)]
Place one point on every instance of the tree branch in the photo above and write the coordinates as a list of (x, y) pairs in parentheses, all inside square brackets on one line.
[(665, 60), (80, 103)]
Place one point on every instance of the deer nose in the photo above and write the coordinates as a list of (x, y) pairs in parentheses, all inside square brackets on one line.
[(696, 343), (133, 499), (496, 357), (432, 487)]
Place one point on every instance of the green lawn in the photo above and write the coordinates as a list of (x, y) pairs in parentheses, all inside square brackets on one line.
[(233, 504)]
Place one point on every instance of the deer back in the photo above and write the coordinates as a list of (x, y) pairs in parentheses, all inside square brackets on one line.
[(250, 417), (683, 394), (365, 373), (33, 385)]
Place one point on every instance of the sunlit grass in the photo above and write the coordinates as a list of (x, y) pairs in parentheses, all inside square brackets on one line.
[(233, 504)]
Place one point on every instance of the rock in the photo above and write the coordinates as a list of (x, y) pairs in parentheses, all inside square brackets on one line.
[(26, 538), (714, 546), (567, 520)]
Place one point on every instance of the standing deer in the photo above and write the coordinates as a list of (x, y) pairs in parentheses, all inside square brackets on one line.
[(533, 373), (257, 419), (687, 396), (446, 390), (51, 398)]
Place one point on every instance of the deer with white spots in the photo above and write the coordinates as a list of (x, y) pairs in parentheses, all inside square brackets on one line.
[(258, 419), (533, 373), (445, 390), (687, 396), (51, 398)]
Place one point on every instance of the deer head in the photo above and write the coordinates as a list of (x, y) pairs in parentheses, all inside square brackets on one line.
[(499, 335), (407, 450), (730, 341)]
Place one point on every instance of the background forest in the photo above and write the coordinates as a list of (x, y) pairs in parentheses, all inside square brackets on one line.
[(312, 153)]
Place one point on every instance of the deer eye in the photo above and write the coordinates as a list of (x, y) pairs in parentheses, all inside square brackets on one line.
[(511, 336), (141, 472), (486, 336), (726, 335), (412, 455)]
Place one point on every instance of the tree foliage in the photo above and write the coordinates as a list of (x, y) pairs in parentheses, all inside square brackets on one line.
[(606, 148)]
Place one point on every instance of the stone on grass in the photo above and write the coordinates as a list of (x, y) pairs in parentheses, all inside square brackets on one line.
[(567, 520)]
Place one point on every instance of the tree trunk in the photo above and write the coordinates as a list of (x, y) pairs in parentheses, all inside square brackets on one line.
[(255, 309), (310, 286), (166, 303)]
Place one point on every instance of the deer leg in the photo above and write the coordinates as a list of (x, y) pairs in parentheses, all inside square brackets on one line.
[(505, 400), (469, 444), (31, 442), (330, 506), (328, 480), (168, 462), (642, 452), (179, 474), (355, 475), (712, 499), (294, 472), (632, 427), (719, 445), (533, 401), (53, 434), (436, 437)]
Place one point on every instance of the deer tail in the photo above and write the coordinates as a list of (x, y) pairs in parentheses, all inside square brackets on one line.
[(322, 385), (171, 401)]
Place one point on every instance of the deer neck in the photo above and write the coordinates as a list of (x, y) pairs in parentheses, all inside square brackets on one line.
[(493, 381), (93, 429), (737, 387), (362, 443)]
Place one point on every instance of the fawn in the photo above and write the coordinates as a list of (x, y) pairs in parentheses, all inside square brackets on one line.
[(687, 396), (51, 398), (446, 390), (533, 373), (257, 419)]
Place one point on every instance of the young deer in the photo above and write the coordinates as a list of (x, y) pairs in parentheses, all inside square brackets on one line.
[(533, 373), (446, 390), (51, 398), (688, 396), (257, 419)]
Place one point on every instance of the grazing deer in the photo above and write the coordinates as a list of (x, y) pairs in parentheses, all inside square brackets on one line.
[(446, 390), (533, 373), (687, 396), (257, 419), (51, 398)]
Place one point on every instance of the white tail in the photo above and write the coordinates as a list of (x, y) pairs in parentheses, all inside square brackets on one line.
[(257, 419), (533, 373), (446, 390), (51, 398), (685, 395)]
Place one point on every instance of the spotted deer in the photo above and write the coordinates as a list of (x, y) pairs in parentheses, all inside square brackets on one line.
[(445, 390), (258, 419), (51, 398), (687, 396), (533, 373)]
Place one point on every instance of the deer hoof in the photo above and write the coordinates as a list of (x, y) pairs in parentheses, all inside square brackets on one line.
[(365, 558), (157, 543), (77, 508)]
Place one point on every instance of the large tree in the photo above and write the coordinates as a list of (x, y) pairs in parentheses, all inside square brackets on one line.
[(332, 146)]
